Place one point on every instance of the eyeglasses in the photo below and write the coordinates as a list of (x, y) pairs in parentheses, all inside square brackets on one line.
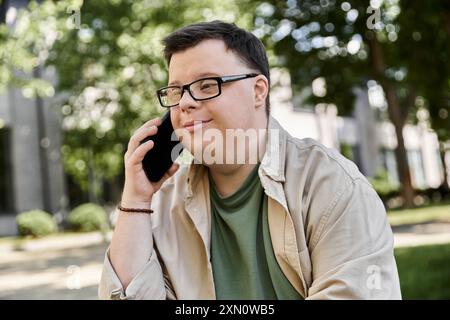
[(201, 89)]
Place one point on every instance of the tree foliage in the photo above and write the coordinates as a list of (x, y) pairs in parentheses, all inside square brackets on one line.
[(401, 45), (334, 40), (108, 68)]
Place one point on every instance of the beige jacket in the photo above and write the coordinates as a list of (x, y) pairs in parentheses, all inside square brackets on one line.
[(329, 230)]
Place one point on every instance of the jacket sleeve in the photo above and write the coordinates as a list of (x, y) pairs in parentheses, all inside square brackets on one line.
[(149, 284), (352, 255)]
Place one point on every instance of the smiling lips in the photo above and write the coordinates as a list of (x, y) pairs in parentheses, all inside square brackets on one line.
[(195, 124)]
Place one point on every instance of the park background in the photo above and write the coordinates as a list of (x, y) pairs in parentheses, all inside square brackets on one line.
[(368, 78)]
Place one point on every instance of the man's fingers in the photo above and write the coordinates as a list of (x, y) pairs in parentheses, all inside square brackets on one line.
[(140, 134), (138, 155), (136, 140)]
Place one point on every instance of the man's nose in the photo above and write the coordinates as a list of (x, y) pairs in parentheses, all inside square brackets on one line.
[(187, 102)]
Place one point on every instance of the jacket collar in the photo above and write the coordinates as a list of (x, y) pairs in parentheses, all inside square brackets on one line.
[(272, 164), (273, 161)]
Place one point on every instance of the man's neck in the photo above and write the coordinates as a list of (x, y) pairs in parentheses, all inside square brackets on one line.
[(229, 177)]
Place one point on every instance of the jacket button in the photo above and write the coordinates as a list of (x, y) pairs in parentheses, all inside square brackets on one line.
[(116, 295)]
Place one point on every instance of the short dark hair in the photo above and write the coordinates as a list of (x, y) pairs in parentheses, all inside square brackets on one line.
[(244, 43)]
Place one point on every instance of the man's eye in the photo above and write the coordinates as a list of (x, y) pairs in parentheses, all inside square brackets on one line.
[(207, 85), (173, 91)]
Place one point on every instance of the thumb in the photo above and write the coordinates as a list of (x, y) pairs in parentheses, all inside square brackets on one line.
[(170, 172), (173, 169)]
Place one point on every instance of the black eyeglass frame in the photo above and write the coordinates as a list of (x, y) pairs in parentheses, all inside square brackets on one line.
[(220, 81)]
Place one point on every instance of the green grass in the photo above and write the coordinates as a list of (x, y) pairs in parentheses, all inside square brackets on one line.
[(439, 212), (424, 271)]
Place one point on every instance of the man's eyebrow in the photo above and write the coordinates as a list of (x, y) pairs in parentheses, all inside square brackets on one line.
[(198, 76)]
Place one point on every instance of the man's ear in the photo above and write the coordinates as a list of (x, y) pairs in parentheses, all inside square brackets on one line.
[(261, 90)]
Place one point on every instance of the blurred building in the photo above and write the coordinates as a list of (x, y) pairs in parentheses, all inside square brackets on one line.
[(367, 137), (31, 171)]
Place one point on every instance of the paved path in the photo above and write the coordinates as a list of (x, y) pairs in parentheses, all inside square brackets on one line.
[(421, 234), (55, 272)]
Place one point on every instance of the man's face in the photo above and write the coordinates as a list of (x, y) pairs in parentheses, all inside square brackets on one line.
[(236, 107)]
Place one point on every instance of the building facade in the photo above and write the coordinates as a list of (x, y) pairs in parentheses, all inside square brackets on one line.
[(372, 141), (31, 171)]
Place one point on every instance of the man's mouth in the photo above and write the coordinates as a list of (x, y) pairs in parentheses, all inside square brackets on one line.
[(195, 124)]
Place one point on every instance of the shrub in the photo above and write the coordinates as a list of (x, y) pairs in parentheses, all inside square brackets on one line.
[(35, 223), (88, 217)]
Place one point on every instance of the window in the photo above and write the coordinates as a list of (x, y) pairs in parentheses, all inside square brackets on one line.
[(440, 165), (3, 6), (390, 164), (416, 168), (356, 155), (5, 171)]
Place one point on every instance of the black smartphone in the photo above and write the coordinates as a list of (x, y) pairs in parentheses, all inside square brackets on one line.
[(166, 147)]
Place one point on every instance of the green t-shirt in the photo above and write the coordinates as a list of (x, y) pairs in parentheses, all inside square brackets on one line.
[(243, 262)]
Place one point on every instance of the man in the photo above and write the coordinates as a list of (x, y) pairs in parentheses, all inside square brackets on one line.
[(294, 220)]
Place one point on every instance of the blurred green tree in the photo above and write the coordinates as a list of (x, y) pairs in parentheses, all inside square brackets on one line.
[(401, 45), (108, 68)]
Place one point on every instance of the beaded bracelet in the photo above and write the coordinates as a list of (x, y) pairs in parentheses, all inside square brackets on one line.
[(148, 211)]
